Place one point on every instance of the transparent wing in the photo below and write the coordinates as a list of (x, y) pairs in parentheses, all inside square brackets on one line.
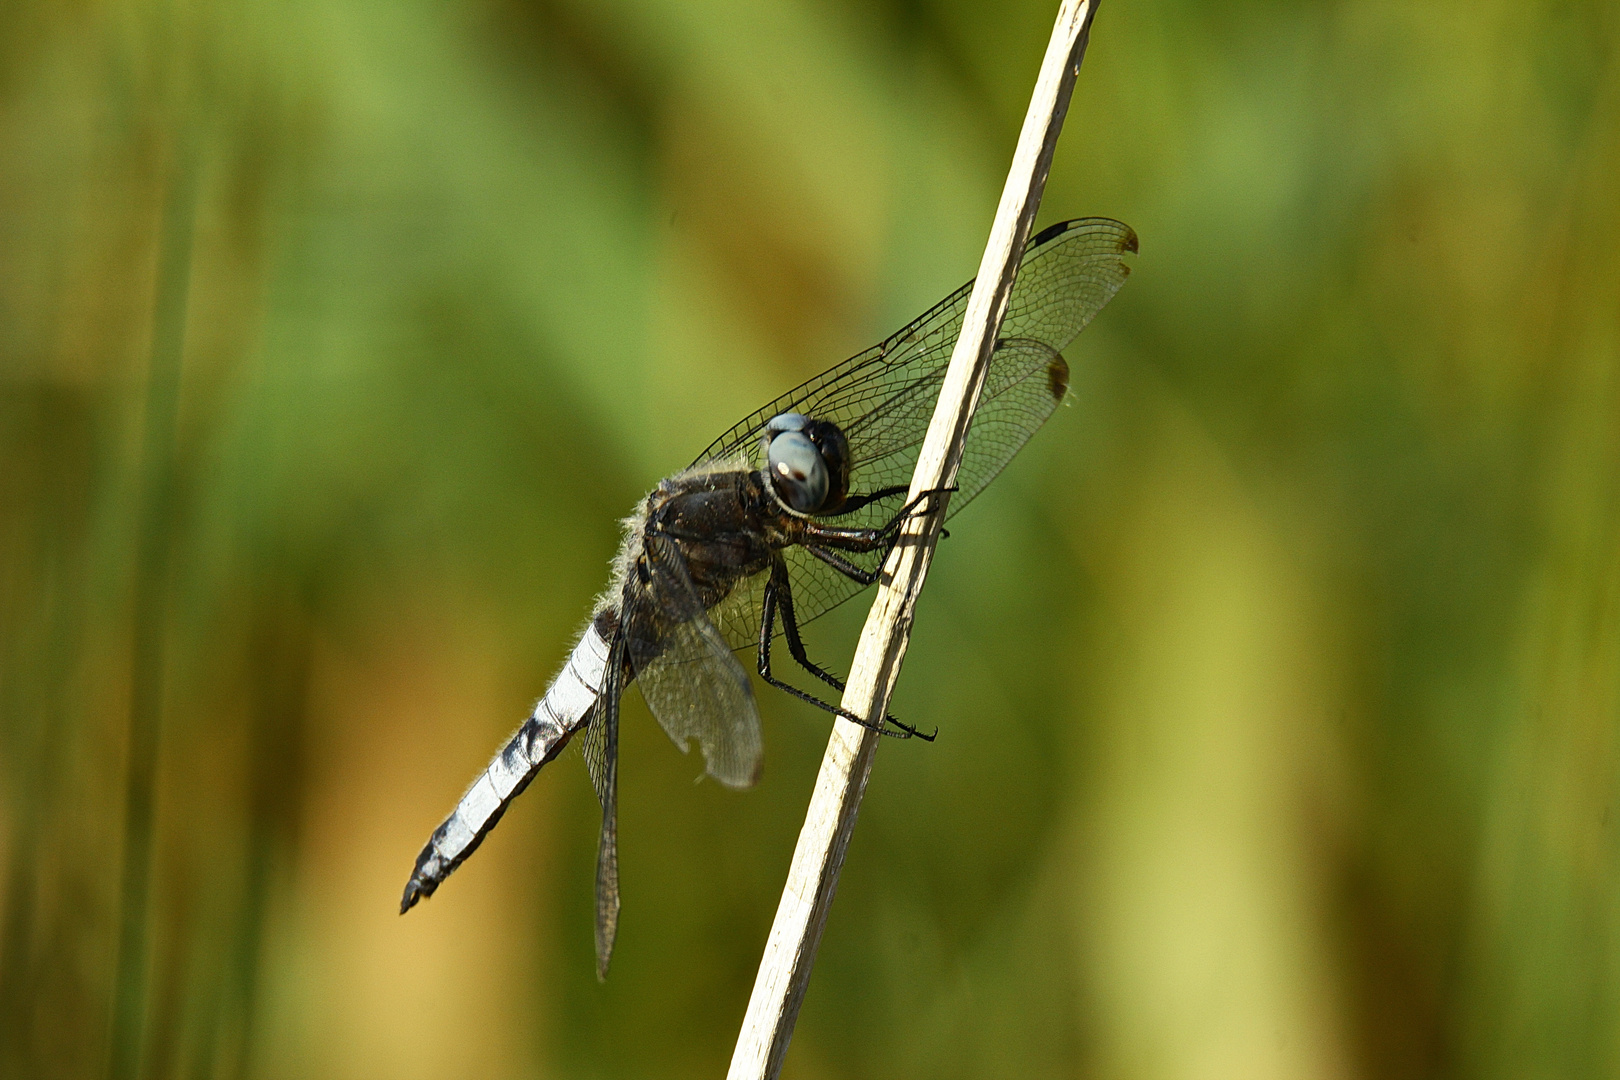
[(601, 746), (693, 684), (593, 748), (883, 398)]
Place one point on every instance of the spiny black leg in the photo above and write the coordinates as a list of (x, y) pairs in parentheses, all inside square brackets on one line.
[(844, 566), (855, 502), (790, 625), (778, 591), (843, 538), (915, 504), (766, 631), (869, 539)]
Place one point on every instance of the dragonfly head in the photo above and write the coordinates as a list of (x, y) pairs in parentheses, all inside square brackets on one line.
[(807, 462)]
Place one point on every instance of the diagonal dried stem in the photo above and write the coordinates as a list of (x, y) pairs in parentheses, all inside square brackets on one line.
[(784, 970)]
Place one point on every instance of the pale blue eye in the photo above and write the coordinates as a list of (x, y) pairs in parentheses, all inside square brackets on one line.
[(780, 423), (788, 421), (797, 471)]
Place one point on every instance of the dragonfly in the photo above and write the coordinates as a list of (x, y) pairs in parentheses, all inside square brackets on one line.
[(784, 517)]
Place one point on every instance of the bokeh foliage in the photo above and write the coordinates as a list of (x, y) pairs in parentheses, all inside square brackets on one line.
[(1278, 681)]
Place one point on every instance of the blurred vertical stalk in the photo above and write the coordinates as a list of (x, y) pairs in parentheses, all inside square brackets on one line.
[(1550, 921), (281, 657), (35, 771), (150, 612)]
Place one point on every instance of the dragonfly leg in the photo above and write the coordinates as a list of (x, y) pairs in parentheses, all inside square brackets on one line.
[(915, 505), (779, 597), (844, 566), (860, 540), (869, 539), (855, 502)]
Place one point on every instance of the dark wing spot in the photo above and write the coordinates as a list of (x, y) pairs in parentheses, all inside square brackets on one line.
[(1129, 243), (1057, 376), (1048, 233)]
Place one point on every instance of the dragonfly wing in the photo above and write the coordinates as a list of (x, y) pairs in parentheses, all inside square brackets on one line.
[(693, 684), (601, 750), (884, 398)]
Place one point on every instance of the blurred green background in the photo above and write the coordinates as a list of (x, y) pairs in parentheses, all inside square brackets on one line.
[(1277, 681)]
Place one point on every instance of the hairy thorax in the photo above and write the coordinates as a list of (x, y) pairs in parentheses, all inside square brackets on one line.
[(721, 522)]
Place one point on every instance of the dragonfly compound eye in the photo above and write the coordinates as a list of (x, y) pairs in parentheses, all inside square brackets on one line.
[(797, 471)]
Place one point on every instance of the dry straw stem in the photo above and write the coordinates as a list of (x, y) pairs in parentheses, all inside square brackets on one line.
[(784, 971)]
